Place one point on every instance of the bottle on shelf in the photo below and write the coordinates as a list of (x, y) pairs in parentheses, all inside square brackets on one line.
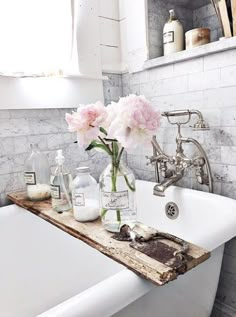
[(37, 175), (173, 35), (85, 196), (60, 184)]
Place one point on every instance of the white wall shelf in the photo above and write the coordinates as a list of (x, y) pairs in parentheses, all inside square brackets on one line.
[(204, 50)]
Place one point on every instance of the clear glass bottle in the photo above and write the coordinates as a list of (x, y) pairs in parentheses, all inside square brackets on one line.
[(37, 175), (117, 197), (60, 184), (85, 196)]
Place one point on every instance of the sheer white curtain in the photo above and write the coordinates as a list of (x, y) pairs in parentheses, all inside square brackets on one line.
[(36, 37)]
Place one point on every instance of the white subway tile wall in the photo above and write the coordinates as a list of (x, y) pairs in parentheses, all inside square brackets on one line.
[(208, 84), (47, 128)]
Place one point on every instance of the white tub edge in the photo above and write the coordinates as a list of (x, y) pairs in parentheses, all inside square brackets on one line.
[(105, 298)]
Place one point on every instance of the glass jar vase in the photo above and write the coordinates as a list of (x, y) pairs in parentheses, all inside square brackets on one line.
[(117, 196)]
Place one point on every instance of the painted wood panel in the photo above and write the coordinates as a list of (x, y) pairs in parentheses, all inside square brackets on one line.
[(109, 9), (109, 32), (111, 59)]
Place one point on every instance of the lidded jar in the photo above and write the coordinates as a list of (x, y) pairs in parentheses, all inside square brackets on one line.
[(37, 175), (85, 196)]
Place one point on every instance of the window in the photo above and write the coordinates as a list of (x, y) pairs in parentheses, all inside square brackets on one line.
[(49, 37), (36, 37)]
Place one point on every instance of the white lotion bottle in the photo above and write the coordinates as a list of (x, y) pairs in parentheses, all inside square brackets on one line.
[(85, 196), (173, 35)]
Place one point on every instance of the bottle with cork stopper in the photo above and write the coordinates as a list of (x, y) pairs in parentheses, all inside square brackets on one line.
[(37, 175)]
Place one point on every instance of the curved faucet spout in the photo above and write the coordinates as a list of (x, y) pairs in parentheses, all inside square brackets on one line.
[(159, 189)]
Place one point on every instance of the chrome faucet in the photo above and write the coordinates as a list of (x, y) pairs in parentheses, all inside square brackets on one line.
[(180, 161)]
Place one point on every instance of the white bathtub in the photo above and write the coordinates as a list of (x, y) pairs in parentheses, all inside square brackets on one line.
[(46, 272), (41, 266)]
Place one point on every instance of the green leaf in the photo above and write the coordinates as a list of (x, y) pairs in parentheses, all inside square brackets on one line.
[(101, 129), (91, 146), (95, 144)]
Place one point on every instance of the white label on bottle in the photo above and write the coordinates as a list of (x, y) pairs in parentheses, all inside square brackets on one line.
[(78, 199), (55, 191), (168, 37), (115, 200), (30, 178)]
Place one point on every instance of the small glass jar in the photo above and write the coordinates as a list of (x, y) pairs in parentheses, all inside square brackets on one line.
[(37, 175), (85, 196)]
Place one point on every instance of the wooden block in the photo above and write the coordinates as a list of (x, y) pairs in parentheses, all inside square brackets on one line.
[(159, 271), (224, 18), (233, 8)]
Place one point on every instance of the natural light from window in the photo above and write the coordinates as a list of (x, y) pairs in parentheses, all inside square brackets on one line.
[(35, 37)]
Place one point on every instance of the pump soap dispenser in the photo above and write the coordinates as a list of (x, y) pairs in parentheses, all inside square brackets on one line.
[(173, 35), (61, 181)]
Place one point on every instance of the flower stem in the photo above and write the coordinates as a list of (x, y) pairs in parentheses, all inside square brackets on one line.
[(115, 168), (132, 188), (103, 213), (106, 145), (118, 217), (119, 156)]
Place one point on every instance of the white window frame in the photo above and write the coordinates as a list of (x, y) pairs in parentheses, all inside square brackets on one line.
[(68, 91)]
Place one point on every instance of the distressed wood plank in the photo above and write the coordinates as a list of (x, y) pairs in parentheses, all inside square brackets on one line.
[(233, 8), (92, 233), (224, 17)]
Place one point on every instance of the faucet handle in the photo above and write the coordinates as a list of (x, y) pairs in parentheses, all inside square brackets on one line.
[(150, 160), (199, 161)]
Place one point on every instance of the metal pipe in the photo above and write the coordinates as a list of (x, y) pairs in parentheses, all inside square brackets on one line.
[(176, 113), (202, 151), (179, 113), (157, 174), (157, 147)]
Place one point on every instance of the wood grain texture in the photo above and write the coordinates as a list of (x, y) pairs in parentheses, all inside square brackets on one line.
[(93, 233), (233, 8), (224, 18)]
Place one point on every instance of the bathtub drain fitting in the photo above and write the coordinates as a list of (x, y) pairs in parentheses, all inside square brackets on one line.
[(171, 210)]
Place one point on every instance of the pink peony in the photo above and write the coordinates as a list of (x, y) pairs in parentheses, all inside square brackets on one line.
[(135, 121), (86, 122)]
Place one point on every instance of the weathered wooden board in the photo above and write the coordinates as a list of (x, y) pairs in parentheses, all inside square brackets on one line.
[(222, 11), (233, 8), (92, 233)]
